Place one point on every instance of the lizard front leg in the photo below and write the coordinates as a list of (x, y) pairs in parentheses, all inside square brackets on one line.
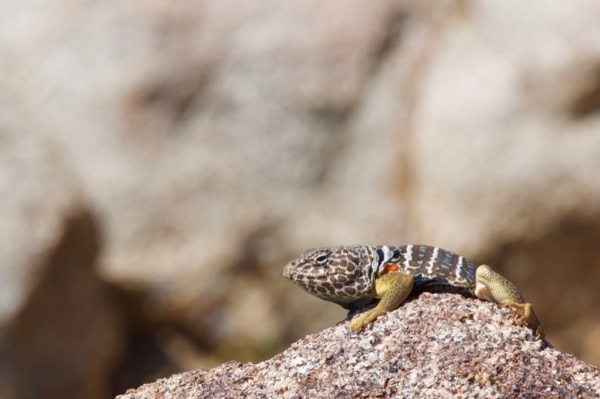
[(392, 288), (492, 286)]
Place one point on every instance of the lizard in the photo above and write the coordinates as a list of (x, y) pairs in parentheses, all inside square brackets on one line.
[(355, 275)]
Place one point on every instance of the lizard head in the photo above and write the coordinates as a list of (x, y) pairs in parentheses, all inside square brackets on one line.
[(338, 274)]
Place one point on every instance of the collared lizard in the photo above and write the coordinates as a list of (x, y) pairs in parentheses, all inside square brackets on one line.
[(354, 275)]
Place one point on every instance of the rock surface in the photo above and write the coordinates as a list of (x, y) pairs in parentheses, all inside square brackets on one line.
[(436, 346)]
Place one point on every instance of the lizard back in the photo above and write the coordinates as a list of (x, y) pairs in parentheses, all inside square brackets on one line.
[(433, 268), (346, 274)]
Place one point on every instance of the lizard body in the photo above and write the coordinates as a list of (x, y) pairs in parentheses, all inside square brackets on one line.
[(354, 275)]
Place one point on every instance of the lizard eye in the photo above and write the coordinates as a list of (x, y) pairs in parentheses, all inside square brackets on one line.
[(322, 259)]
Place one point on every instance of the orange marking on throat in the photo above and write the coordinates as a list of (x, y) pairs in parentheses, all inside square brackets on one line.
[(392, 268)]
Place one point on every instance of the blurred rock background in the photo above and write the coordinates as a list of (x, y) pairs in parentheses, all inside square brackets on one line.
[(160, 162)]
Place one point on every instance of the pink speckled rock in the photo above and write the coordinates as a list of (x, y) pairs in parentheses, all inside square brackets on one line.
[(438, 345)]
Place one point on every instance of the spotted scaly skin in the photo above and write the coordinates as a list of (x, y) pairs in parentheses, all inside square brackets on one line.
[(354, 275)]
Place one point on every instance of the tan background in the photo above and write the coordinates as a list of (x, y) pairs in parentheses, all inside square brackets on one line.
[(160, 161)]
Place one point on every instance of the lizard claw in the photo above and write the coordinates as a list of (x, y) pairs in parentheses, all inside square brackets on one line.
[(527, 315)]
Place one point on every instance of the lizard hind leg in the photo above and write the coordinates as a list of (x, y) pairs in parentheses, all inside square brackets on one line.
[(393, 289), (492, 286)]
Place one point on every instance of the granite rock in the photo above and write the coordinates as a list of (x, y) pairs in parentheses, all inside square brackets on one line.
[(435, 346)]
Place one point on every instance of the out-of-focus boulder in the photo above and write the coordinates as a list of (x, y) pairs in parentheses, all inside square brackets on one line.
[(60, 334)]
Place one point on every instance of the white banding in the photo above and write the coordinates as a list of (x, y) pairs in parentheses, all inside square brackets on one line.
[(408, 256), (387, 254), (459, 265), (432, 260), (378, 264)]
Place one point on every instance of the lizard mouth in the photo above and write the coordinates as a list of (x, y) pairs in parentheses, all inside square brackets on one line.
[(288, 270)]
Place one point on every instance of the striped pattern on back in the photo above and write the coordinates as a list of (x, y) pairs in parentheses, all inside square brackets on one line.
[(428, 264)]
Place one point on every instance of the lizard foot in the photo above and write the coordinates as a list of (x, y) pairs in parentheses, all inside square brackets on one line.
[(392, 288), (366, 318), (527, 315)]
